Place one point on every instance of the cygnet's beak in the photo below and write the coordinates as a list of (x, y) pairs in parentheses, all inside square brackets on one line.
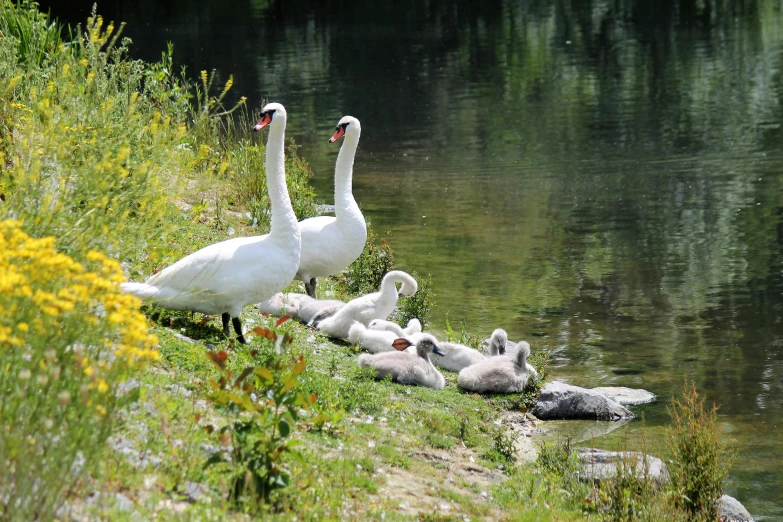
[(265, 120), (502, 349), (437, 351)]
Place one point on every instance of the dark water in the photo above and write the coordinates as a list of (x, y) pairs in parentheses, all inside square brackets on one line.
[(604, 179)]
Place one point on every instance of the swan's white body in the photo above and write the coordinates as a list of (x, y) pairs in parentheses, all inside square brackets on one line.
[(496, 374), (408, 368), (223, 277), (377, 305), (330, 244), (299, 306), (379, 335)]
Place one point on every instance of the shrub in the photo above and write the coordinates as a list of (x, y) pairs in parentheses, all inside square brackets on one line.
[(631, 493), (418, 305), (366, 273), (700, 460), (68, 335), (88, 158)]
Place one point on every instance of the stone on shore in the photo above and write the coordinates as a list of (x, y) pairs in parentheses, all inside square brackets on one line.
[(564, 401)]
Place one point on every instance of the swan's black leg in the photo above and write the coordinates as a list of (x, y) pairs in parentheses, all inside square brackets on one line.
[(310, 287), (238, 329), (226, 318)]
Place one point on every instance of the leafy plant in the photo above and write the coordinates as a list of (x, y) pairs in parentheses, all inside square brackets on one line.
[(419, 304), (700, 460), (631, 493), (264, 407), (366, 273)]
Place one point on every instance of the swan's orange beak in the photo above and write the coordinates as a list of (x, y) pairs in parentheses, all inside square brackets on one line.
[(265, 120), (401, 344), (337, 134)]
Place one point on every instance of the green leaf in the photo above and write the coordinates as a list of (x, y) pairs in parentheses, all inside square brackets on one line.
[(242, 376), (265, 374), (290, 384), (284, 428)]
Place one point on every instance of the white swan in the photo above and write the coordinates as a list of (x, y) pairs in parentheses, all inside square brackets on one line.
[(413, 327), (497, 374), (330, 244), (405, 367), (223, 277), (299, 306), (377, 305), (379, 335)]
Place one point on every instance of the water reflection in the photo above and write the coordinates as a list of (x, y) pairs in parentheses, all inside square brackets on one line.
[(602, 178)]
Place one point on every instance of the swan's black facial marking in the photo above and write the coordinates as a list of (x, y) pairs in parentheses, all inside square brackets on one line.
[(339, 132), (266, 119)]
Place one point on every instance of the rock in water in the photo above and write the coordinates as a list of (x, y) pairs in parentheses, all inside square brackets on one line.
[(730, 509), (564, 401), (626, 396), (601, 464)]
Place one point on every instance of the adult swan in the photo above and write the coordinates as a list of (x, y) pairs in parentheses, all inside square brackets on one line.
[(330, 244), (222, 278)]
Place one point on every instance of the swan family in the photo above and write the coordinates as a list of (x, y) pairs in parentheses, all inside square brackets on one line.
[(222, 278)]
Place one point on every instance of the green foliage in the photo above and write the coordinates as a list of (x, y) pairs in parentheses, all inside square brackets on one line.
[(700, 460), (631, 494), (36, 35), (559, 459), (503, 445), (264, 407), (366, 273), (418, 305)]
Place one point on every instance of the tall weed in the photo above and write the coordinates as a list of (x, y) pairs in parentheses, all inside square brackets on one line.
[(700, 459)]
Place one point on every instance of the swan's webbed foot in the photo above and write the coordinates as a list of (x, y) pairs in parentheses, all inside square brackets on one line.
[(238, 329), (310, 287), (226, 318)]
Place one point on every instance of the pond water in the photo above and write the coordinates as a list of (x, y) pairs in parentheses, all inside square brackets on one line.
[(602, 178)]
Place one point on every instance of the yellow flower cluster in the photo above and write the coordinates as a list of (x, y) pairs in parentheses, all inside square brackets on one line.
[(40, 286)]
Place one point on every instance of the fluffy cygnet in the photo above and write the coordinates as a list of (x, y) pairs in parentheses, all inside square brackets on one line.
[(408, 368), (300, 306), (497, 374)]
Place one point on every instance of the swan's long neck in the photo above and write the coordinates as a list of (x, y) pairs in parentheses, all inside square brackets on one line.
[(389, 288), (344, 204), (284, 224)]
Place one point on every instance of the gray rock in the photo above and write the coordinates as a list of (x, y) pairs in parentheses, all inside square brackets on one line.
[(730, 509), (180, 389), (564, 401), (626, 396), (600, 464), (126, 387), (195, 491), (184, 338)]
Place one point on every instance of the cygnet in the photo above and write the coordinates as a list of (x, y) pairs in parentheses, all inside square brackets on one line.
[(408, 368), (497, 374)]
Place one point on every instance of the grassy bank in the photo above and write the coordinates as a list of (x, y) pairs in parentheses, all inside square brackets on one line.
[(116, 168)]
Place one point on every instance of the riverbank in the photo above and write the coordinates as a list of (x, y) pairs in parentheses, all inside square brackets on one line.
[(111, 155)]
